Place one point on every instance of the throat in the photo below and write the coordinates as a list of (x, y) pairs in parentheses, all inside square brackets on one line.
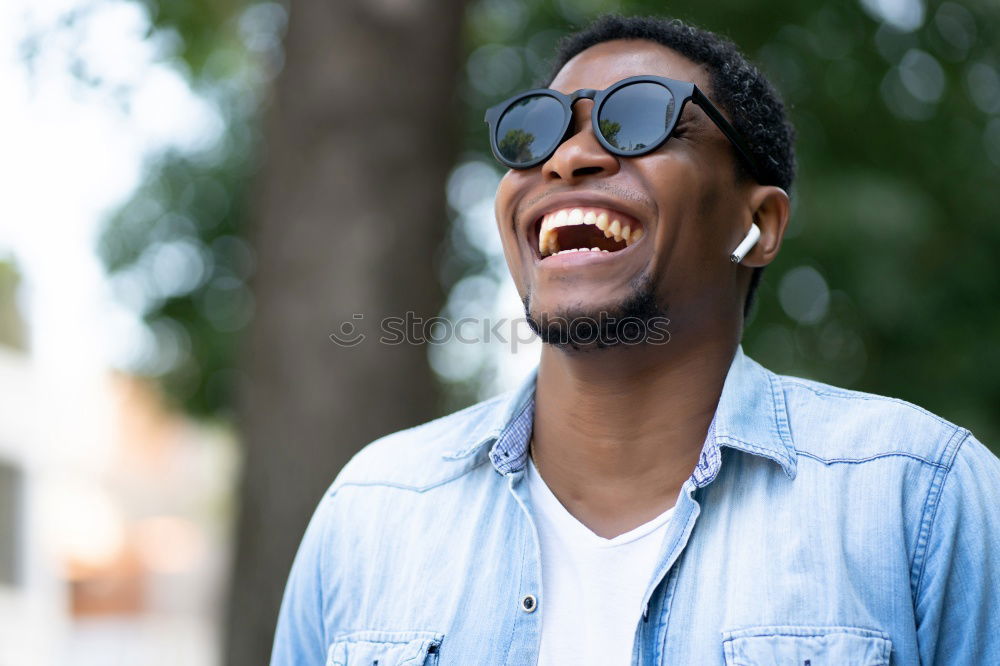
[(610, 509), (605, 446)]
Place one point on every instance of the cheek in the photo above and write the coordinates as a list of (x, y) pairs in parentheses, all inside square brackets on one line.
[(696, 210), (503, 209), (680, 202), (507, 194), (721, 211), (502, 201)]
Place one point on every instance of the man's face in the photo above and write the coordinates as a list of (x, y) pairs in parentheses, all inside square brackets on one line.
[(683, 200)]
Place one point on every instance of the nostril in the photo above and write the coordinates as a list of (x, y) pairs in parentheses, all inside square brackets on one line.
[(587, 171)]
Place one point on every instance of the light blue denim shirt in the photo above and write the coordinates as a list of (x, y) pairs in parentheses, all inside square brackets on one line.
[(820, 527)]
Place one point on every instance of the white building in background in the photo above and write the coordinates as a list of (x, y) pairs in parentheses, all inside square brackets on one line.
[(114, 522), (32, 599)]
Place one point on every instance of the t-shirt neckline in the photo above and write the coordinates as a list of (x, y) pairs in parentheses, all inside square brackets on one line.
[(541, 492)]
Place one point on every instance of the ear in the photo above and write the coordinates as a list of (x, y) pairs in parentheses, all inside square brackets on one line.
[(769, 208)]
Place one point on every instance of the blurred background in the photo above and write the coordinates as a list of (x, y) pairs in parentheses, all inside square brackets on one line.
[(196, 194)]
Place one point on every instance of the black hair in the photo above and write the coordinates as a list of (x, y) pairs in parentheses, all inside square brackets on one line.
[(736, 86)]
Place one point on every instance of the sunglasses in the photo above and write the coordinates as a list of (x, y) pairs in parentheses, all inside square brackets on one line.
[(632, 117)]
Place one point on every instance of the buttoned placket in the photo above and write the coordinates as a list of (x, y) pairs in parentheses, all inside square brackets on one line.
[(650, 645), (652, 631), (530, 601)]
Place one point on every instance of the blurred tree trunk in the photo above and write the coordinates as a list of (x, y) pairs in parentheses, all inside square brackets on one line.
[(348, 216)]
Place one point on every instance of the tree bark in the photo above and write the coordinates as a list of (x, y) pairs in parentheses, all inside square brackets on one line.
[(349, 214)]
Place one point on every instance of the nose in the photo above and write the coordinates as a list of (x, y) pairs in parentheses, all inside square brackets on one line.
[(581, 155)]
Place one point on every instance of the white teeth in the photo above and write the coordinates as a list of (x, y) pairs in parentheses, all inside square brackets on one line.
[(547, 239), (580, 249), (616, 230)]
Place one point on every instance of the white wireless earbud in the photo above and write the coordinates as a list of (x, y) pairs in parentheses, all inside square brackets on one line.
[(746, 245)]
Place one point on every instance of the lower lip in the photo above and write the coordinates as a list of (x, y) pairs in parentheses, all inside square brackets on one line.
[(578, 258)]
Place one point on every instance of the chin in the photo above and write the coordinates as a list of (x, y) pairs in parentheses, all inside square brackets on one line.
[(639, 318)]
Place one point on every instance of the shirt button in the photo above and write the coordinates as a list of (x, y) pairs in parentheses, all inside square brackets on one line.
[(528, 603)]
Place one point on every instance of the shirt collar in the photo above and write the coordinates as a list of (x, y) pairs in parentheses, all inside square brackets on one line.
[(751, 416), (506, 424)]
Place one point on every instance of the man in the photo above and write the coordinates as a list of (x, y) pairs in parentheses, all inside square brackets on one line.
[(652, 496)]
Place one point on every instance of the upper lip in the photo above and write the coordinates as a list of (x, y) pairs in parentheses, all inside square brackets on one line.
[(571, 200)]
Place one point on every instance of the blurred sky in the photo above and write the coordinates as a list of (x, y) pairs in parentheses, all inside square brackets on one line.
[(84, 103)]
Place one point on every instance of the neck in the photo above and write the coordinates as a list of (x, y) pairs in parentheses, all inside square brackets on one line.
[(618, 431)]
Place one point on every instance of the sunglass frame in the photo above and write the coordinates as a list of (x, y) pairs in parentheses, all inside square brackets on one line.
[(682, 91)]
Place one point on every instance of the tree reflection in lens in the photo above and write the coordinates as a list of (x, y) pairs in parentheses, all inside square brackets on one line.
[(516, 145), (529, 128), (636, 116), (609, 130)]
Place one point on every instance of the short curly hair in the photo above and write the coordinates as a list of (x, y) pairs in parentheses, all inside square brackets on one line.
[(741, 90)]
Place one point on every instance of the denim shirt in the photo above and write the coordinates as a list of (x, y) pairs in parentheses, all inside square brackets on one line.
[(821, 526)]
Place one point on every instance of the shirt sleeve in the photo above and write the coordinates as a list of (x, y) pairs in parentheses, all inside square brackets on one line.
[(958, 581), (300, 637)]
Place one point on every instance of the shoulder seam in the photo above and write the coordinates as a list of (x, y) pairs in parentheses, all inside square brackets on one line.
[(883, 454), (833, 392), (931, 503), (402, 486)]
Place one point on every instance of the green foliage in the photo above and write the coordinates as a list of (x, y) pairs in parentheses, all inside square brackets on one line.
[(887, 278), (177, 251), (206, 28)]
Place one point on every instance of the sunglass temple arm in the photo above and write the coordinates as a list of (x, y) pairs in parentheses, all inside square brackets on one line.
[(734, 137)]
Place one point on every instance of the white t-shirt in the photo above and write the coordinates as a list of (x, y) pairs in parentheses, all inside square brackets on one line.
[(592, 587)]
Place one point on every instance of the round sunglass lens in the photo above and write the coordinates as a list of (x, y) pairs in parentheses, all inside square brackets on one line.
[(636, 116), (529, 128)]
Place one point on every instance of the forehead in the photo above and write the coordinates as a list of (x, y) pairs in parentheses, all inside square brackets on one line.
[(608, 62)]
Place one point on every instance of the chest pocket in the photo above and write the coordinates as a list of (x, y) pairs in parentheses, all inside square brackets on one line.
[(385, 648), (806, 646)]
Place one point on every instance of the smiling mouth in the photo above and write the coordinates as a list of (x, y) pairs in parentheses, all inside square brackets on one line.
[(586, 230)]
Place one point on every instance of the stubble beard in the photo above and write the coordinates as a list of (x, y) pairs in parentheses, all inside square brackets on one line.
[(639, 319)]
